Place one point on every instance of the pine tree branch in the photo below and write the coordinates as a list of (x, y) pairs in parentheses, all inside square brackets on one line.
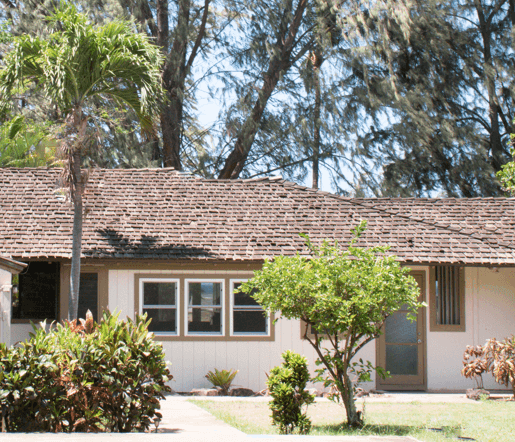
[(200, 36), (9, 4)]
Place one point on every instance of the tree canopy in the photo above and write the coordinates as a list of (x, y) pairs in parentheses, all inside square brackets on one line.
[(389, 98)]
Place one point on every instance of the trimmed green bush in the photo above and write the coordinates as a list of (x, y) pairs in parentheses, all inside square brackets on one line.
[(83, 376), (287, 386)]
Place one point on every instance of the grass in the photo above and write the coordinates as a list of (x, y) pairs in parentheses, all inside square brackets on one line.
[(485, 421)]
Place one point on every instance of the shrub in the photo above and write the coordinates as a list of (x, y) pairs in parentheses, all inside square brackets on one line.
[(222, 379), (82, 376), (496, 357), (287, 384)]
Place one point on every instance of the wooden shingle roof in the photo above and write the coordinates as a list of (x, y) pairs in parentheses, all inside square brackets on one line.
[(163, 214)]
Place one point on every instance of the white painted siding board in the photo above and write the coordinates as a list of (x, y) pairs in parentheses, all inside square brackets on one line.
[(265, 349), (221, 355), (113, 290), (254, 367), (188, 362), (124, 293), (242, 363), (175, 356), (199, 367), (210, 359), (232, 360)]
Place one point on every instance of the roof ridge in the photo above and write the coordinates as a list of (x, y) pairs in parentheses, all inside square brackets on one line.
[(356, 202), (440, 225)]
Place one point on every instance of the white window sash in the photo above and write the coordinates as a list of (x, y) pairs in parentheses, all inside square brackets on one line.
[(175, 306), (188, 306), (236, 308)]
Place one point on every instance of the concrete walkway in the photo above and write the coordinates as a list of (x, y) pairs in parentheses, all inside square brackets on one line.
[(185, 422)]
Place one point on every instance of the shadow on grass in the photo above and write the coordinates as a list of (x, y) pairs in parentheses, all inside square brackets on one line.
[(383, 430), (378, 430)]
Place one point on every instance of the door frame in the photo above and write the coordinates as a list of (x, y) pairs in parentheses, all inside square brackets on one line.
[(387, 384)]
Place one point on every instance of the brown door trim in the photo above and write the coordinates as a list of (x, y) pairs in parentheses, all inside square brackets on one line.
[(405, 382)]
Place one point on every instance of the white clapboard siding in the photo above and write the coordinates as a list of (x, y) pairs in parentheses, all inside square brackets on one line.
[(191, 360)]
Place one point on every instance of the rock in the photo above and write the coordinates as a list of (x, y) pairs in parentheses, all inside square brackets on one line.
[(241, 392), (264, 392), (361, 393), (377, 391), (477, 393), (204, 392)]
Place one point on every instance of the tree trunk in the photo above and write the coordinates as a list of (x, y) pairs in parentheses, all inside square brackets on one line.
[(279, 65), (171, 124), (237, 158), (496, 146), (354, 418), (317, 61), (73, 300)]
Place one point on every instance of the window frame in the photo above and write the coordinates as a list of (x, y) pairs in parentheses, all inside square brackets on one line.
[(153, 306), (433, 325), (208, 335), (257, 308)]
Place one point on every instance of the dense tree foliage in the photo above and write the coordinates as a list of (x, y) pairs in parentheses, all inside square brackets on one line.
[(390, 97)]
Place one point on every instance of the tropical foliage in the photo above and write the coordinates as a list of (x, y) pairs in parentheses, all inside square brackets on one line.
[(495, 357), (222, 379), (84, 71), (83, 376), (22, 145)]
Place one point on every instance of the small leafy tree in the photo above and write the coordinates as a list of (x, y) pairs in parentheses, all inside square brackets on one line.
[(344, 296), (496, 357), (287, 386)]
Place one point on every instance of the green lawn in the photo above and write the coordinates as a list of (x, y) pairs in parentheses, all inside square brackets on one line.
[(484, 421)]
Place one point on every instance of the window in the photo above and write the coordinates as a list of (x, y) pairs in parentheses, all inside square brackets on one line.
[(447, 299), (248, 317), (38, 291), (159, 300), (88, 295), (204, 307)]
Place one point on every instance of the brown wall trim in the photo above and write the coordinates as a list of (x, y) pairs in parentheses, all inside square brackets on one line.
[(182, 277), (135, 264), (433, 326), (103, 288)]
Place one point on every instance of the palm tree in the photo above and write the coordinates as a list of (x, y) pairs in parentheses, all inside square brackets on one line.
[(78, 65)]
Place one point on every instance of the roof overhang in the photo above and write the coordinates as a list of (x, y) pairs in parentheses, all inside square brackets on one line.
[(11, 266)]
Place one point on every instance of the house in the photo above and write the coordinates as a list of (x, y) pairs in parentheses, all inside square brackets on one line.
[(8, 267), (175, 246)]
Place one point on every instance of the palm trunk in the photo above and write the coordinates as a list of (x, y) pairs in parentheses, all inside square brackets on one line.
[(73, 303), (77, 191)]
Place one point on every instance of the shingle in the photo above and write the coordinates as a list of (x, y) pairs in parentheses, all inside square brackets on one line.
[(163, 214)]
